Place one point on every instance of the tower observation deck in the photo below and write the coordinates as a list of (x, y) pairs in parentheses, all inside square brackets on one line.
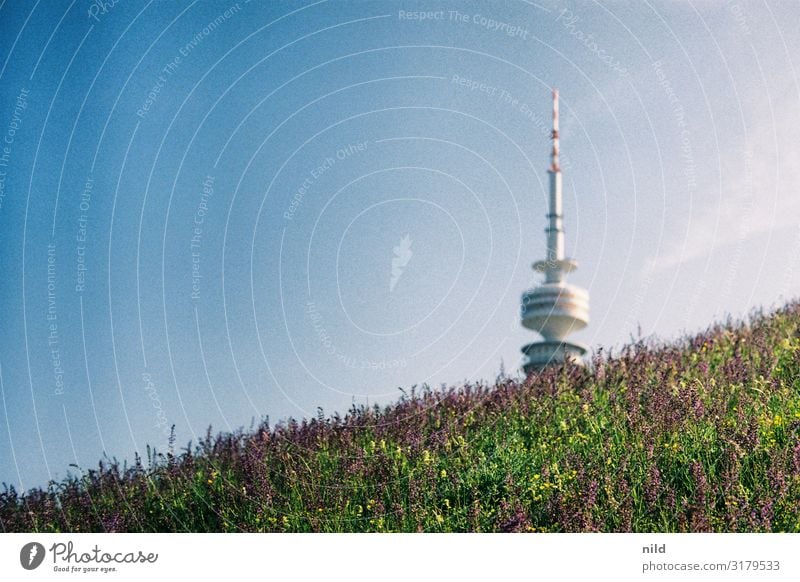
[(555, 308)]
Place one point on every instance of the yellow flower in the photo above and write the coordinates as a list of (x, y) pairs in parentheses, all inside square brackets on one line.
[(443, 474)]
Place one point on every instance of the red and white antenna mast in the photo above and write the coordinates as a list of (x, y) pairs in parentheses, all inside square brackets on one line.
[(554, 167)]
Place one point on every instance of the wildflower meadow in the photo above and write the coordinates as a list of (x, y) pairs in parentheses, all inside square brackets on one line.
[(695, 435)]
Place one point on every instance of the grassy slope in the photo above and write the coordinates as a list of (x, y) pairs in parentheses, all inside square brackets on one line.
[(697, 435)]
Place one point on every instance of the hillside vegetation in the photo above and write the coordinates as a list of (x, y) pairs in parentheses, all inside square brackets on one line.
[(701, 434)]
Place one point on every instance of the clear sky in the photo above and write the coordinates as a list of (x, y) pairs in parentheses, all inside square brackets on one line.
[(211, 212)]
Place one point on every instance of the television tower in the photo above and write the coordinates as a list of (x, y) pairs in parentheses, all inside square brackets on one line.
[(555, 308)]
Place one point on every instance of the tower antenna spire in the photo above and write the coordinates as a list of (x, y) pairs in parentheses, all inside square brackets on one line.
[(554, 166)]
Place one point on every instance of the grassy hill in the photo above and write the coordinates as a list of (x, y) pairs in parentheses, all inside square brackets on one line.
[(701, 434)]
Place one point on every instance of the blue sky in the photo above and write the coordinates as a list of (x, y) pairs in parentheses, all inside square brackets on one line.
[(212, 212)]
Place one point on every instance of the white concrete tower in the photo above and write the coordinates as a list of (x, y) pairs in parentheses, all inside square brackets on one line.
[(555, 308)]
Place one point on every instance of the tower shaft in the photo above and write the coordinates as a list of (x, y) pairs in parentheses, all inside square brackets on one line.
[(555, 229)]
